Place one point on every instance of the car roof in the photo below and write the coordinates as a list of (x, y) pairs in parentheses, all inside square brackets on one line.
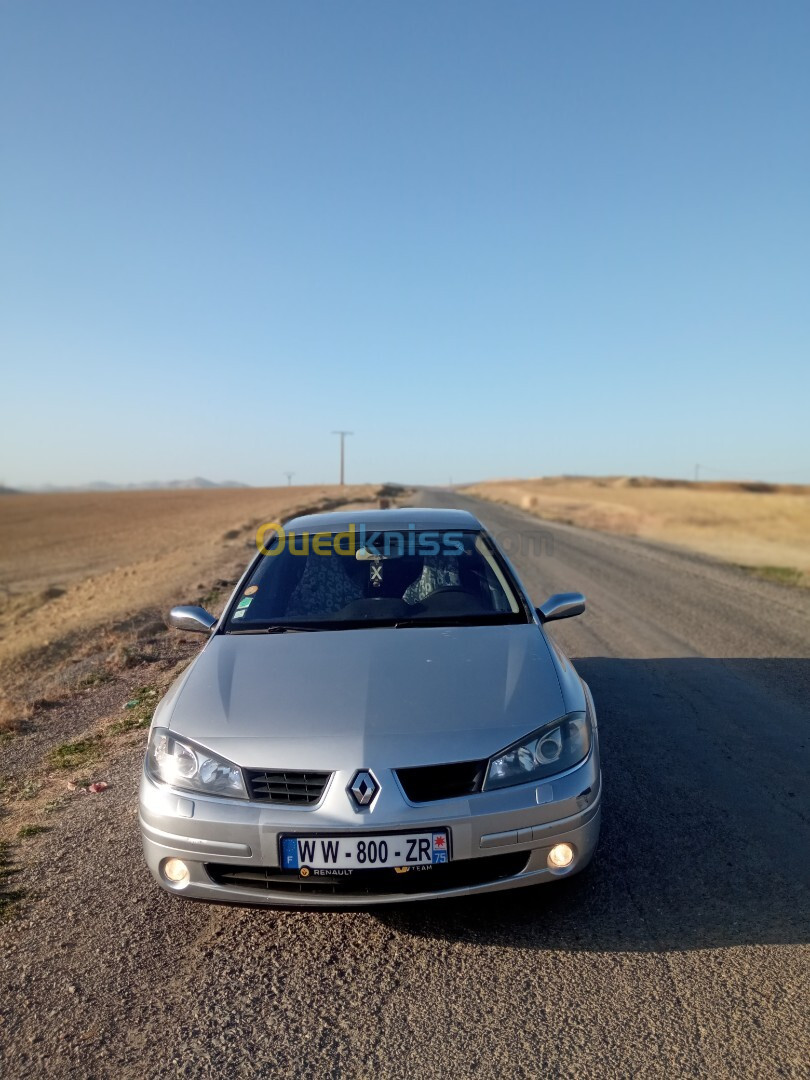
[(399, 517)]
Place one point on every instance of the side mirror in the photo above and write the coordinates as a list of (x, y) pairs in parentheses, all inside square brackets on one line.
[(192, 618), (562, 605)]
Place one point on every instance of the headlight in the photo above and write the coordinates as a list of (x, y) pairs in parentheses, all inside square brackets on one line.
[(180, 763), (552, 749)]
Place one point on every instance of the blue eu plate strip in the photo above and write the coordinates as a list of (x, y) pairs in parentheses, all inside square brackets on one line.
[(289, 853)]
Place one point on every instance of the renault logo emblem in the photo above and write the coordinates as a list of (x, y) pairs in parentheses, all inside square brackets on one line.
[(363, 788)]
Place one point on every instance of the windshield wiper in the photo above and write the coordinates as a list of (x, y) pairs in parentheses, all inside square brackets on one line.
[(280, 628), (494, 619)]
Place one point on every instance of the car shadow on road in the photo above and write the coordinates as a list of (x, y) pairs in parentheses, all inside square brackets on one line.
[(706, 819)]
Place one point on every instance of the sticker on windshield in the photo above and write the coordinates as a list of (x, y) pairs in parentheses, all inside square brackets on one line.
[(245, 602), (251, 589), (239, 614)]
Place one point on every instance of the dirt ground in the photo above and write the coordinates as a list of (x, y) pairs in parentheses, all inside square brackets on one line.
[(763, 527), (85, 653), (83, 574), (681, 952)]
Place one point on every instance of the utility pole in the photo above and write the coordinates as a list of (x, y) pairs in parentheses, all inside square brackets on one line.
[(342, 435), (697, 473), (289, 476)]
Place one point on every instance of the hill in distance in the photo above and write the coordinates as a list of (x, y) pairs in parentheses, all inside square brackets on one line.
[(149, 485)]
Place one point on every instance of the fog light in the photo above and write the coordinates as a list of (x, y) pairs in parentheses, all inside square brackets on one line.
[(560, 856), (176, 872)]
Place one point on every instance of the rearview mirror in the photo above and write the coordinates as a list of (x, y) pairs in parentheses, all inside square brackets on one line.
[(192, 618), (562, 605), (364, 555)]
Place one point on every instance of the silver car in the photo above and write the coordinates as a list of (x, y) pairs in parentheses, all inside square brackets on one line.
[(378, 716)]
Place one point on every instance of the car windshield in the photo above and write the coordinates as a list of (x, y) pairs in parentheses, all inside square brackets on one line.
[(347, 580)]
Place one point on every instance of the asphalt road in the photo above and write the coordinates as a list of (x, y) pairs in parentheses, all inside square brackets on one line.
[(681, 952)]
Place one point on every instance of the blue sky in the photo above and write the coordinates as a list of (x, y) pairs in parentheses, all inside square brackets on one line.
[(492, 239)]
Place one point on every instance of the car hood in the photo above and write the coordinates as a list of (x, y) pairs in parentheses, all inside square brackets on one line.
[(355, 698)]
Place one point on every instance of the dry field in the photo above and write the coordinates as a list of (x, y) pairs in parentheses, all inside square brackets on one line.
[(86, 577), (85, 655), (762, 527)]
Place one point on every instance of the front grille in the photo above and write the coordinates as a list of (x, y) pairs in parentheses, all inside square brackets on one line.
[(293, 788), (433, 879), (428, 783)]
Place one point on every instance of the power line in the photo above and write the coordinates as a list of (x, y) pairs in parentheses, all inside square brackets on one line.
[(342, 435)]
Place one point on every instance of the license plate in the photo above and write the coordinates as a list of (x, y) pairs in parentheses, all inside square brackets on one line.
[(374, 852)]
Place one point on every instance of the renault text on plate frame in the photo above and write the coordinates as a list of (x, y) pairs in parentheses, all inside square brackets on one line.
[(373, 722)]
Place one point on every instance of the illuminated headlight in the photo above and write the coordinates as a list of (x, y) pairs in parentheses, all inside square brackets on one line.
[(560, 856), (175, 872), (180, 763), (552, 749)]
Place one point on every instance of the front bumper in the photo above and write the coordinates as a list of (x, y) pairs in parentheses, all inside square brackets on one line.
[(214, 836)]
